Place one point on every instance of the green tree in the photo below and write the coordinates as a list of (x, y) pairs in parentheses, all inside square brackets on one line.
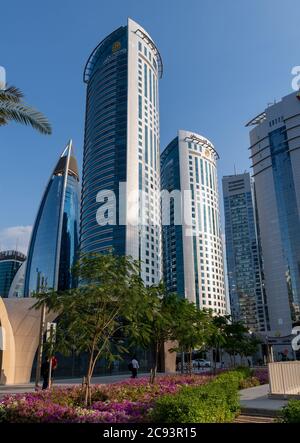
[(155, 324), (217, 337), (13, 108), (96, 316), (249, 345), (191, 329), (234, 339)]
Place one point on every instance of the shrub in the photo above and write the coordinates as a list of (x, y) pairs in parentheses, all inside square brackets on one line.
[(262, 375), (244, 370), (215, 402), (249, 383), (181, 408), (291, 412)]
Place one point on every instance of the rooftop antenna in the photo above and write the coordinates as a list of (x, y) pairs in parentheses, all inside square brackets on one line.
[(234, 168)]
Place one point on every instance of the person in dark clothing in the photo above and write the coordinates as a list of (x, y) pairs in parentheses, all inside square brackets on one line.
[(45, 373)]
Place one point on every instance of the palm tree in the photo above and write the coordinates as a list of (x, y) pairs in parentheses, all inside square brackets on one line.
[(13, 108)]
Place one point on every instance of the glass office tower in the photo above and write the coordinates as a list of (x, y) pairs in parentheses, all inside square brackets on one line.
[(245, 282), (192, 241), (54, 242), (10, 262), (275, 158), (121, 149)]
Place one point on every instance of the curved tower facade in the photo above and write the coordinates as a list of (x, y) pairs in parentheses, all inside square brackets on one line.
[(54, 242), (121, 150), (10, 262), (193, 249)]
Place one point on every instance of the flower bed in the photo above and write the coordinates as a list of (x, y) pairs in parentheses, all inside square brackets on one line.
[(123, 402)]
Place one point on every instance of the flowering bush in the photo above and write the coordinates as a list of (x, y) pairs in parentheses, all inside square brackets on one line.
[(123, 402), (262, 375)]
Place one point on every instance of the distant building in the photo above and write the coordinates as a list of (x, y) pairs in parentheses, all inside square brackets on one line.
[(275, 156), (54, 241), (245, 283), (192, 246), (121, 148), (10, 262), (17, 285)]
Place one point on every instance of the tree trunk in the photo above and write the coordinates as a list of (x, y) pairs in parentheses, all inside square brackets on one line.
[(215, 360), (182, 362), (190, 361), (154, 369), (87, 394)]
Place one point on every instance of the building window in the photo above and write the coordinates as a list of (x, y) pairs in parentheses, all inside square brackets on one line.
[(145, 80), (140, 106), (146, 144), (150, 84)]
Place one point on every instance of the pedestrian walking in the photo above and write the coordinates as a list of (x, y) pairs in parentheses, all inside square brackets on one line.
[(134, 367), (45, 373)]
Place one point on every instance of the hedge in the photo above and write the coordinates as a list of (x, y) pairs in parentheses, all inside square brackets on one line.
[(215, 402), (291, 412)]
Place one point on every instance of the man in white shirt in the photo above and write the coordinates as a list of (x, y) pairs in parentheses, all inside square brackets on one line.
[(135, 366)]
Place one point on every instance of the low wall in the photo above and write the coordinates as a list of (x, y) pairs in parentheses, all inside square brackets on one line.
[(284, 379)]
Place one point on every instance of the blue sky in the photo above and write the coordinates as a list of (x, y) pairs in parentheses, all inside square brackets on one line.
[(224, 61)]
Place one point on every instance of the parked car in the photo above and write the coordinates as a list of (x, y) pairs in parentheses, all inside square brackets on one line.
[(202, 363)]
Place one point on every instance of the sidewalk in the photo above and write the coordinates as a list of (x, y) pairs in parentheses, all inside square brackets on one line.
[(30, 387), (256, 401)]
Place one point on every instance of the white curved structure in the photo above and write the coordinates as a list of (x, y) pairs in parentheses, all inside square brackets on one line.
[(19, 325)]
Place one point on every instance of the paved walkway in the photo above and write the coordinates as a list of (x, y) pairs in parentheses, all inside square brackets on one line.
[(256, 401), (30, 387)]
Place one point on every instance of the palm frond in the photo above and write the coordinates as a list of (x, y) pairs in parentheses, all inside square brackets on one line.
[(24, 114), (12, 94)]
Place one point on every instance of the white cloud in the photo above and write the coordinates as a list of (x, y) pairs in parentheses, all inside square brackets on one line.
[(15, 237)]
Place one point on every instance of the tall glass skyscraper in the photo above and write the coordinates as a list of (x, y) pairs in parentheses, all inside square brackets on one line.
[(121, 149), (192, 242), (245, 279), (10, 262), (54, 242), (275, 158)]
